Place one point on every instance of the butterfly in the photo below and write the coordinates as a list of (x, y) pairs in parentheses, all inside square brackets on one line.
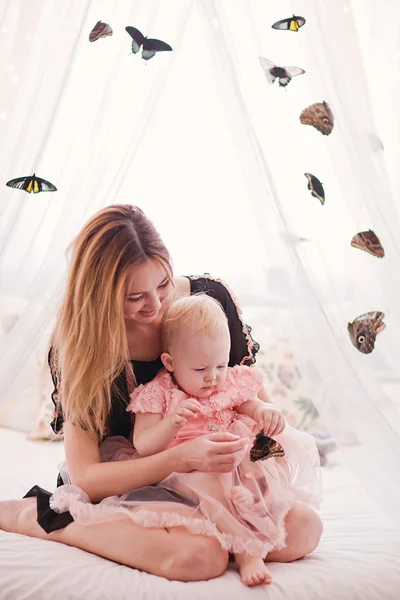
[(318, 115), (284, 74), (31, 183), (316, 188), (291, 24), (150, 46), (100, 30), (265, 447), (369, 242), (364, 329)]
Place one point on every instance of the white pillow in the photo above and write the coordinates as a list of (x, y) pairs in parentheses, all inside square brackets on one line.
[(20, 408)]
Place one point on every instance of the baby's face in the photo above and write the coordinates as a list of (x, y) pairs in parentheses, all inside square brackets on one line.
[(200, 363)]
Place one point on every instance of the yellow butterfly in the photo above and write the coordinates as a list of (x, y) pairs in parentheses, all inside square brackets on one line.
[(291, 24), (31, 183)]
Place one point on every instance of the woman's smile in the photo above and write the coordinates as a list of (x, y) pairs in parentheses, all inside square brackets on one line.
[(147, 314)]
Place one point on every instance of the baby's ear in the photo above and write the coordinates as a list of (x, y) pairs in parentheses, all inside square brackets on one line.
[(167, 361)]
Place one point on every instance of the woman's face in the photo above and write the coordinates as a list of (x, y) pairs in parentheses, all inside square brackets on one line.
[(147, 287)]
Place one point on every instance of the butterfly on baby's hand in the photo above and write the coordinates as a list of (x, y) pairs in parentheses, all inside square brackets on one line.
[(31, 183), (149, 46), (284, 74), (265, 447)]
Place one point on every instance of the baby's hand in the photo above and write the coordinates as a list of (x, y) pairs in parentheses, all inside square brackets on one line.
[(271, 420), (188, 409)]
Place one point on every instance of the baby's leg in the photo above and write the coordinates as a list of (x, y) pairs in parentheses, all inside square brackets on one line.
[(252, 569), (249, 495)]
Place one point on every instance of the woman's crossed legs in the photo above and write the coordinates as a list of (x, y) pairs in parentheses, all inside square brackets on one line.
[(171, 553)]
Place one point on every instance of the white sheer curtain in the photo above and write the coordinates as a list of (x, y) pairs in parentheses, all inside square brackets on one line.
[(216, 157), (333, 282)]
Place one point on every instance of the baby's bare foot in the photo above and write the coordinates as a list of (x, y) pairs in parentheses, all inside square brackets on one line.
[(252, 570), (240, 495)]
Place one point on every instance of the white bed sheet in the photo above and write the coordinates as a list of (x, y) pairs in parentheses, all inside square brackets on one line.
[(358, 558)]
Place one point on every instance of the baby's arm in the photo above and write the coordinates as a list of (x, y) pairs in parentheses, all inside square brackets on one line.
[(264, 396), (153, 432), (267, 415)]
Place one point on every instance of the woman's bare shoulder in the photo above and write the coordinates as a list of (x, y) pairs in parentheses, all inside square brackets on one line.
[(182, 287)]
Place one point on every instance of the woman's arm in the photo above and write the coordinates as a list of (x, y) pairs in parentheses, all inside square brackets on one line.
[(101, 479), (215, 453)]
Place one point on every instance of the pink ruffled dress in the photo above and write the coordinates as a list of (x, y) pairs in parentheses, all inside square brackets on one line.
[(251, 521)]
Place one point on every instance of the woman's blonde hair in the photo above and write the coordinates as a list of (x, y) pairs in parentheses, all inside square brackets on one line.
[(90, 336), (199, 312)]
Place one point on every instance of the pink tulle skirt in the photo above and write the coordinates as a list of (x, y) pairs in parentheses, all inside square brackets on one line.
[(244, 510)]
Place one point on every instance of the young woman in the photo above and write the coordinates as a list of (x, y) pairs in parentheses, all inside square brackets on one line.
[(195, 394), (107, 341)]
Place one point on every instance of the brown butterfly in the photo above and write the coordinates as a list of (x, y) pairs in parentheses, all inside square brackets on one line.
[(369, 242), (364, 329), (100, 30), (318, 115), (265, 447)]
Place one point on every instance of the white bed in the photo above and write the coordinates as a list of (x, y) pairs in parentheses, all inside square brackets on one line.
[(358, 558)]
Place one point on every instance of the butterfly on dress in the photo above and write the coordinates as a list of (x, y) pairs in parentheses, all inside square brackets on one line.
[(291, 24), (100, 30), (316, 188), (265, 447), (369, 242), (320, 116), (31, 183), (364, 329), (284, 74), (150, 46)]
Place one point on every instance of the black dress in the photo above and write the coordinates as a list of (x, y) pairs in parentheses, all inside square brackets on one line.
[(243, 351)]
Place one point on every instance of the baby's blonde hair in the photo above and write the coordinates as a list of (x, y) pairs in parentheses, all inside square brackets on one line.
[(201, 312)]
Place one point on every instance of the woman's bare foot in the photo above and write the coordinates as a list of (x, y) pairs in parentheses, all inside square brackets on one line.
[(252, 570)]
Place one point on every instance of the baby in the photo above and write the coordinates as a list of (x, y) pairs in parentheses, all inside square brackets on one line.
[(199, 393)]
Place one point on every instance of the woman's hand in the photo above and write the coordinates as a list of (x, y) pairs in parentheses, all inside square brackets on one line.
[(188, 409), (214, 453), (271, 420)]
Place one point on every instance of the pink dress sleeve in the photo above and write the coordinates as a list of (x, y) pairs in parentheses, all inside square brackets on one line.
[(246, 382), (148, 398)]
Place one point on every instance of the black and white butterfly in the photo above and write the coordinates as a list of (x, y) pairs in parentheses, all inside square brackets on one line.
[(284, 74), (150, 46), (31, 183)]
